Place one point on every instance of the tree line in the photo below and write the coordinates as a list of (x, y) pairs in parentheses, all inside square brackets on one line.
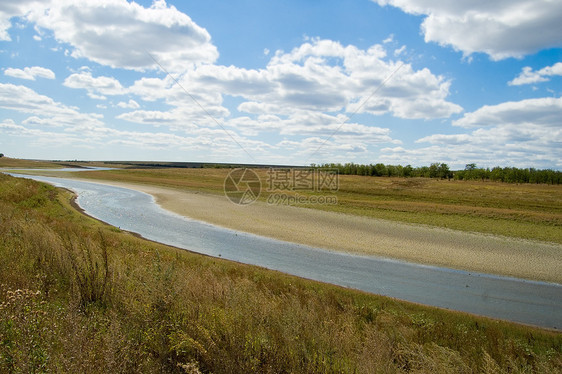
[(442, 171), (509, 175)]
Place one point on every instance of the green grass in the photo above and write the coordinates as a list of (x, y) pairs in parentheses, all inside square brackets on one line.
[(80, 296), (525, 211)]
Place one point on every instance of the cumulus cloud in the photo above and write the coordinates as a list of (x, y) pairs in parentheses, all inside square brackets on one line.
[(63, 129), (120, 34), (501, 28), (308, 93), (44, 110), (530, 76), (323, 75), (30, 73), (97, 87), (185, 118), (10, 9), (131, 104), (524, 133), (306, 96), (545, 112)]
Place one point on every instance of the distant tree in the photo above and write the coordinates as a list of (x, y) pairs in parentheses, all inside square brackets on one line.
[(380, 170), (441, 170), (444, 172), (408, 169), (1, 155), (434, 170)]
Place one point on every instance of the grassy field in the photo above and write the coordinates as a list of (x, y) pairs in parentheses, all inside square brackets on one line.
[(518, 210), (7, 162), (80, 296)]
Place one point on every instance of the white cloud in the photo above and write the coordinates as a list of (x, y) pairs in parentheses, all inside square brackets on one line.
[(528, 76), (526, 133), (215, 146), (500, 28), (389, 39), (543, 111), (150, 117), (399, 51), (120, 34), (63, 129), (325, 76), (97, 87), (310, 123), (9, 9), (131, 104), (30, 73), (304, 96), (44, 110), (182, 118)]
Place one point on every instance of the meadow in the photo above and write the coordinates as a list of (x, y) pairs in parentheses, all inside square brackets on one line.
[(77, 295)]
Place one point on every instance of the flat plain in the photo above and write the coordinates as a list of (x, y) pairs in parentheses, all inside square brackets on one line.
[(80, 296)]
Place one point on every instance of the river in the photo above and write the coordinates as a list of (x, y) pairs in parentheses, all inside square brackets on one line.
[(529, 302)]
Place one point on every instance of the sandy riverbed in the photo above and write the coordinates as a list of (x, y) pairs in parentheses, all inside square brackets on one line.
[(342, 232)]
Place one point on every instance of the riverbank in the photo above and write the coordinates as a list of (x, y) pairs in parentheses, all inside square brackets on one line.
[(354, 234), (80, 296)]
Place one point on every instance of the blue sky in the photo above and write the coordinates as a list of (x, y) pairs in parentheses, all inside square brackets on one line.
[(291, 82)]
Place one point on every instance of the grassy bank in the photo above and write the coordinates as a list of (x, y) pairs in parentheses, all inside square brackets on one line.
[(8, 162), (80, 296), (526, 211)]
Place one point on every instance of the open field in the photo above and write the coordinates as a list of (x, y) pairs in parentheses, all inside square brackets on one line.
[(7, 162), (80, 296)]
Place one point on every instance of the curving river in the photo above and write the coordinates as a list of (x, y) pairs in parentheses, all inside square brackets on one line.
[(530, 302)]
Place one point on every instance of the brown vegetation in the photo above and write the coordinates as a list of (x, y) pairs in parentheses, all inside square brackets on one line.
[(78, 296)]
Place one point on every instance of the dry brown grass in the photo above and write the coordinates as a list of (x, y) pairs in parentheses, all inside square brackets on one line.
[(167, 310)]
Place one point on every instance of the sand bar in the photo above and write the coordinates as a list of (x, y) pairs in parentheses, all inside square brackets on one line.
[(354, 234)]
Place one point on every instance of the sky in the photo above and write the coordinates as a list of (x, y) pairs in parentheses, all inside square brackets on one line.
[(290, 82)]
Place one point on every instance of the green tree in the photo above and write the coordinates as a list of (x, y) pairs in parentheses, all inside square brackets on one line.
[(380, 170), (443, 171), (434, 170), (408, 169)]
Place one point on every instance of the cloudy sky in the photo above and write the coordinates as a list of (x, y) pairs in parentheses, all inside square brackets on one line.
[(283, 81)]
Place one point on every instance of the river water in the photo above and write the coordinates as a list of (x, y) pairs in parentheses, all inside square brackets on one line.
[(530, 302)]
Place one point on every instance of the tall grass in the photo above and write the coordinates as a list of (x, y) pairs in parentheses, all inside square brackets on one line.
[(79, 296)]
